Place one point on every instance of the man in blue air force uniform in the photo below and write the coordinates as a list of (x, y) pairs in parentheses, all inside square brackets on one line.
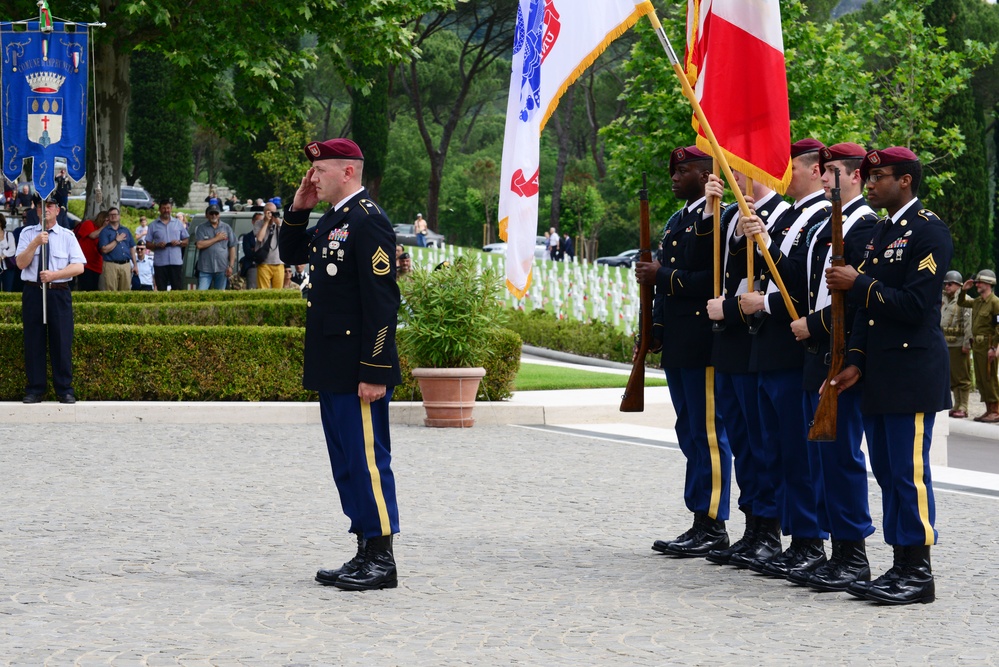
[(898, 348), (683, 278), (350, 353)]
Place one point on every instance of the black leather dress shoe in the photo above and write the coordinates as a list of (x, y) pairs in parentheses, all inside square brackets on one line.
[(662, 546), (722, 556), (329, 577), (68, 399), (32, 398), (911, 583), (764, 547), (376, 570), (776, 566), (708, 535), (847, 565), (811, 556)]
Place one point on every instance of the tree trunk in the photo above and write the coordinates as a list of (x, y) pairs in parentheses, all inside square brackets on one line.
[(564, 133), (434, 188), (106, 149)]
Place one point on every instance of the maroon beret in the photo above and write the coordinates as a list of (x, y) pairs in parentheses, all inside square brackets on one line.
[(333, 149), (886, 157), (844, 151), (686, 154), (805, 146)]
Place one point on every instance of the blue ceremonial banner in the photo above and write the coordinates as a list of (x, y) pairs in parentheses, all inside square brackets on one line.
[(44, 104)]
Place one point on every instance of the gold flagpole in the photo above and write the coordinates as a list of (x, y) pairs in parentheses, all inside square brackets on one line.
[(750, 247), (717, 151), (716, 212)]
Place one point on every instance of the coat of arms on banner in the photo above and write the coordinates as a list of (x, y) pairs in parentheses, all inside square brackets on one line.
[(44, 92)]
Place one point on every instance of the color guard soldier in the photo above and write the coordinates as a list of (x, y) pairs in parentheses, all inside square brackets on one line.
[(985, 340), (738, 385), (842, 467), (683, 276), (956, 324), (779, 360), (350, 353), (897, 346)]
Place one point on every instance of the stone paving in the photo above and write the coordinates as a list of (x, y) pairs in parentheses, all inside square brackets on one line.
[(196, 545)]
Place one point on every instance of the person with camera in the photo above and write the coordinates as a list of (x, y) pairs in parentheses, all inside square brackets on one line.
[(270, 268)]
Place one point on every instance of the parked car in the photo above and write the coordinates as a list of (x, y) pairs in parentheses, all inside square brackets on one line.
[(540, 249), (136, 198), (406, 235), (626, 258)]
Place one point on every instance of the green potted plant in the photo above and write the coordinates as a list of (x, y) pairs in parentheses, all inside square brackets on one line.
[(448, 317)]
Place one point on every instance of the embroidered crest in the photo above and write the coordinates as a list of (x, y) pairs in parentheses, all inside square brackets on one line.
[(929, 264), (380, 264)]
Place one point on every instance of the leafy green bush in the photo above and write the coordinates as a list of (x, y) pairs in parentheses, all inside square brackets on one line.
[(595, 339), (275, 313)]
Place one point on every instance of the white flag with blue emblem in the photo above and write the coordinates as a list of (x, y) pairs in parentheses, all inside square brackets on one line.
[(554, 43)]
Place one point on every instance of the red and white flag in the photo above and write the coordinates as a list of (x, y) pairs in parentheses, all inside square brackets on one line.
[(735, 63), (555, 41)]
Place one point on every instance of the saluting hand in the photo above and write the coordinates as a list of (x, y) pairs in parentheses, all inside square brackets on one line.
[(306, 197)]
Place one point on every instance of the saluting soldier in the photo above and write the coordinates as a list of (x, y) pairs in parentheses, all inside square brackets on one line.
[(897, 345), (738, 385), (683, 276), (956, 324), (985, 340), (842, 468), (779, 360), (350, 353)]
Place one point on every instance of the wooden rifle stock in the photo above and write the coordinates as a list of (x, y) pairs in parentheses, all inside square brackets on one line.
[(823, 427), (633, 399)]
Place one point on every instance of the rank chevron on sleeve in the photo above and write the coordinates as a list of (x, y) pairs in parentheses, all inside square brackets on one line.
[(929, 263)]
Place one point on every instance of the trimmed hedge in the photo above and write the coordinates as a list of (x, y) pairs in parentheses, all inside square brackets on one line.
[(174, 296), (116, 362), (591, 339), (501, 371), (172, 363), (257, 312)]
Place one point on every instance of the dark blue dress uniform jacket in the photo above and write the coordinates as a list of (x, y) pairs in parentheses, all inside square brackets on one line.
[(353, 296), (896, 340), (820, 322), (684, 285)]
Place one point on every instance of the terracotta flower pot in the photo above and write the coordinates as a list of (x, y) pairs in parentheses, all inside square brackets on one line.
[(449, 395)]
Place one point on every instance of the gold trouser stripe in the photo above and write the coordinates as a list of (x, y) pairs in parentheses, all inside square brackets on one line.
[(922, 497), (709, 419), (376, 476)]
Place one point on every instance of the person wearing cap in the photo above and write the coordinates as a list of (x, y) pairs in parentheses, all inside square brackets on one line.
[(956, 324), (142, 281), (118, 251), (683, 277), (270, 270), (65, 260), (738, 385), (350, 352), (897, 346), (842, 467), (167, 238), (984, 340), (779, 361), (216, 244), (420, 230)]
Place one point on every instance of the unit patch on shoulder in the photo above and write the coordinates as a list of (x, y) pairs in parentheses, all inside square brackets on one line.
[(929, 264), (380, 264)]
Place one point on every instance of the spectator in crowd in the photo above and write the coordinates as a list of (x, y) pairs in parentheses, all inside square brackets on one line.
[(8, 194), (568, 248), (956, 324), (420, 229), (287, 277), (63, 187), (257, 205), (270, 268), (8, 250), (87, 233), (142, 281), (248, 263), (182, 217), (118, 250), (233, 203), (65, 260), (985, 340), (33, 215), (141, 229), (553, 244), (23, 200), (167, 238), (216, 244), (404, 266)]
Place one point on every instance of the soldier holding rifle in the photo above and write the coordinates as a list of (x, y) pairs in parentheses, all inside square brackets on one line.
[(984, 340), (65, 260), (842, 470), (683, 276), (898, 347)]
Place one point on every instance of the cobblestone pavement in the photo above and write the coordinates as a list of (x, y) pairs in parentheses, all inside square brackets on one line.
[(196, 545)]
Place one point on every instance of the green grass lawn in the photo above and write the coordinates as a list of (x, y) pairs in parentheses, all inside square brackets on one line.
[(536, 377)]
